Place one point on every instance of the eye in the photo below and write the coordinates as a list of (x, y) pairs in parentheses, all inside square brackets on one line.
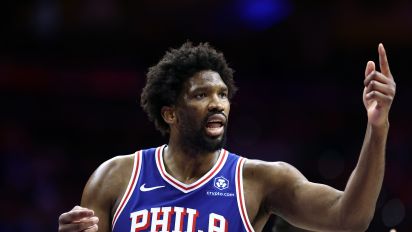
[(200, 96), (223, 95)]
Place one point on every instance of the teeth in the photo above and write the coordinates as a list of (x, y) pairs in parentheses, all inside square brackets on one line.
[(220, 124)]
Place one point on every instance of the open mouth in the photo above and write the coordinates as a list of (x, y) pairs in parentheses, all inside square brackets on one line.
[(215, 125)]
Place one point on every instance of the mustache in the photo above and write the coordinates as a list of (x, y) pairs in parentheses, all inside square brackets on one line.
[(211, 113)]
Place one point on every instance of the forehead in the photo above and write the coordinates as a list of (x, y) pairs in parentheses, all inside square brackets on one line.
[(205, 79)]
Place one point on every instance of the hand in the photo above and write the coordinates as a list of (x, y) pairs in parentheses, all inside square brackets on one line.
[(78, 219), (379, 90)]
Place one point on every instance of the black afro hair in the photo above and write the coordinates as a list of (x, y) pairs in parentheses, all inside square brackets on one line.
[(165, 79)]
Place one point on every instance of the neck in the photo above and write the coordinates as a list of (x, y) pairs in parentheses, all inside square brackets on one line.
[(188, 164)]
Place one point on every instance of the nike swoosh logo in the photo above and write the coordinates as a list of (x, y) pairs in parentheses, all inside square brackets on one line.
[(144, 189)]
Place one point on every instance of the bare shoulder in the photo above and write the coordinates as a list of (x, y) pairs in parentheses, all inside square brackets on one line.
[(272, 182), (262, 171), (109, 181)]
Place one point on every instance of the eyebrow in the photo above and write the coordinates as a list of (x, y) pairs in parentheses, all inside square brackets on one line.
[(205, 87)]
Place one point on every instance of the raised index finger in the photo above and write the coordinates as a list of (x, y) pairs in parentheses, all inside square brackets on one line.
[(383, 61)]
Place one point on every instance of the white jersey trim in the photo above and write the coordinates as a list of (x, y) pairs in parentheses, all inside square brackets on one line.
[(240, 195), (134, 177), (185, 188)]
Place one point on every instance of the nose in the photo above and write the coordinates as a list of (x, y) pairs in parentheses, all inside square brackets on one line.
[(216, 104)]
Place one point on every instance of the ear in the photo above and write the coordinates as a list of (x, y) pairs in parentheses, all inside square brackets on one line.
[(168, 114)]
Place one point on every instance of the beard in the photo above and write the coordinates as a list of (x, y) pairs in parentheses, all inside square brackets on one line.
[(194, 136)]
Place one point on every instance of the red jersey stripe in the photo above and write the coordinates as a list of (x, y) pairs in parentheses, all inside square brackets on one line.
[(130, 187), (184, 187), (240, 195)]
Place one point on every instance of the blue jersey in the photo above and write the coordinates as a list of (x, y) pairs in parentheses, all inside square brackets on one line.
[(156, 201)]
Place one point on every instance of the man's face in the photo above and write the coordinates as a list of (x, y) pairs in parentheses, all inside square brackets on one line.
[(202, 111)]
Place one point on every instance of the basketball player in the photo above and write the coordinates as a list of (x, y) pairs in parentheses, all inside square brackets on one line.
[(194, 184)]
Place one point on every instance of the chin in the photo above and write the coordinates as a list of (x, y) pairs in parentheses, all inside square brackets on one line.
[(214, 143), (201, 141)]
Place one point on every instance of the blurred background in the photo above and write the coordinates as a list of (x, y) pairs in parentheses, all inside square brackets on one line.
[(71, 73)]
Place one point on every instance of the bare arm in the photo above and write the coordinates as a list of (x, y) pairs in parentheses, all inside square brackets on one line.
[(319, 207), (365, 182), (100, 198)]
